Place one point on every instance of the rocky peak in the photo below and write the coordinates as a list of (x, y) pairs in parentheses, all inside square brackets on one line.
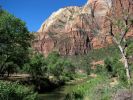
[(63, 16), (99, 6), (59, 19), (70, 30)]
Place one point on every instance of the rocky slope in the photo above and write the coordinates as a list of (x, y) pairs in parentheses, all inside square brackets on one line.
[(72, 31)]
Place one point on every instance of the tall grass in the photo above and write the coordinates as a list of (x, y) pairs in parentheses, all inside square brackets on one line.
[(98, 88)]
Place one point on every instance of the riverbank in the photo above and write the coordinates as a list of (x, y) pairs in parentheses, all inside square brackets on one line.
[(61, 92)]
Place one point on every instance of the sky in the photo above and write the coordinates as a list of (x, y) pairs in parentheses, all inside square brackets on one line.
[(35, 12)]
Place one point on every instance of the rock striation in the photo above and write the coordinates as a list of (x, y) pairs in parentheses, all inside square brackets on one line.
[(72, 30)]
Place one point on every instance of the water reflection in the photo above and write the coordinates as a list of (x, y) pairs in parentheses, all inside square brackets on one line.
[(60, 93)]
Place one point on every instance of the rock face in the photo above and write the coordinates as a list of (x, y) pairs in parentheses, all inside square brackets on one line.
[(72, 31)]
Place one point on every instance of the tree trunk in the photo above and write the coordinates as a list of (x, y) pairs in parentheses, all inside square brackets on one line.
[(126, 65)]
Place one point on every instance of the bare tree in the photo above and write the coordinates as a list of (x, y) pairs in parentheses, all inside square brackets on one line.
[(119, 22)]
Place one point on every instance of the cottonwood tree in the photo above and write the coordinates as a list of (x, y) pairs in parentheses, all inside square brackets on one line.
[(14, 43), (119, 23)]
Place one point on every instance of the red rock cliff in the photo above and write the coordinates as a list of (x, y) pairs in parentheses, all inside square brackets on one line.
[(71, 30)]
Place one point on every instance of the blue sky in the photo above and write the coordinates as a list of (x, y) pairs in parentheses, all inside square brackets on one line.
[(35, 12)]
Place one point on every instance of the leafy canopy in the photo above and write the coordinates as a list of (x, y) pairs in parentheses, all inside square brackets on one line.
[(15, 40)]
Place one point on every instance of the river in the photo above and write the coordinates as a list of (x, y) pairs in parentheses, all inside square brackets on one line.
[(60, 93)]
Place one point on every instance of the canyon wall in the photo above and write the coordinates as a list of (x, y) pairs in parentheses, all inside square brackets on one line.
[(73, 30)]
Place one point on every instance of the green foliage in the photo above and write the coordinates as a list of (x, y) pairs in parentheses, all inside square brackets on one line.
[(109, 67), (112, 68), (59, 67), (14, 91), (103, 53), (54, 65), (37, 66), (86, 65), (115, 68), (93, 89), (14, 42), (100, 69), (53, 57), (81, 61), (130, 50)]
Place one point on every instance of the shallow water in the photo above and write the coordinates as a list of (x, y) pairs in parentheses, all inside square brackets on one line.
[(60, 93), (57, 94)]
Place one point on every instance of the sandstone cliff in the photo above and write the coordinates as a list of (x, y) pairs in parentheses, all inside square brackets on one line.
[(72, 31)]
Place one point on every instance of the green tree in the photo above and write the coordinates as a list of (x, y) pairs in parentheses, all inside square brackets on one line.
[(60, 67), (37, 66), (52, 59), (15, 40)]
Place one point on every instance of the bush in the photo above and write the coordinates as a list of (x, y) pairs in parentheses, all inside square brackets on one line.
[(115, 68), (37, 66), (86, 65), (60, 67), (100, 69), (84, 61), (14, 91)]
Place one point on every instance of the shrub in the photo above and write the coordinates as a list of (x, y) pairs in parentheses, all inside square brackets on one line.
[(86, 65), (37, 66), (109, 66), (60, 67), (14, 91), (114, 67), (100, 69), (84, 61)]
